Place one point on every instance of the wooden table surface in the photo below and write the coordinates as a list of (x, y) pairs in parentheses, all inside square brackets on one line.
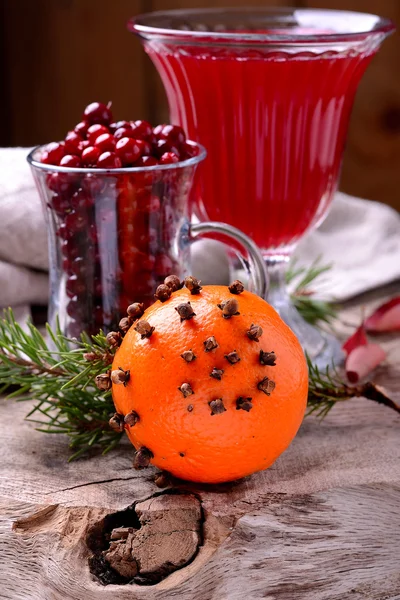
[(323, 523)]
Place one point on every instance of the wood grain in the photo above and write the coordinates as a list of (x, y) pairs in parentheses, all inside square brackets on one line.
[(322, 523)]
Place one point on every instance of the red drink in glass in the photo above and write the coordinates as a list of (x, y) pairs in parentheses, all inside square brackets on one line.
[(269, 93)]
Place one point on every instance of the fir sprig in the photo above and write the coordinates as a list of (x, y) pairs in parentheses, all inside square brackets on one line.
[(312, 310), (59, 376)]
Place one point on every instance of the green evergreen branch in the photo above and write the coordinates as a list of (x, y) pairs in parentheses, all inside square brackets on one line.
[(313, 311)]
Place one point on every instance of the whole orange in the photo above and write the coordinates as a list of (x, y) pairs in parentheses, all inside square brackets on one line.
[(216, 396)]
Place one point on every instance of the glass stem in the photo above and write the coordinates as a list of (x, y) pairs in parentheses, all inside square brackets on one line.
[(278, 295)]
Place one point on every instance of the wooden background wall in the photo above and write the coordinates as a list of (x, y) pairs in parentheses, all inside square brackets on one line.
[(58, 55)]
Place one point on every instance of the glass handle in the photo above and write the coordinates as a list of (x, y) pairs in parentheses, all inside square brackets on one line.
[(250, 254)]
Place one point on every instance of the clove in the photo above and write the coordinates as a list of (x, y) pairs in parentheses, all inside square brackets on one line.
[(142, 458), (103, 381), (131, 418), (217, 373), (254, 333), (120, 376), (186, 389), (193, 285), (144, 329), (114, 339), (117, 422), (236, 287), (232, 357), (125, 324), (230, 308), (244, 404), (267, 358), (173, 282), (217, 406), (135, 310), (188, 356), (185, 311), (163, 293), (266, 385), (210, 344)]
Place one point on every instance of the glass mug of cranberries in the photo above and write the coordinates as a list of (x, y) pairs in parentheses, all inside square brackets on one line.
[(116, 199)]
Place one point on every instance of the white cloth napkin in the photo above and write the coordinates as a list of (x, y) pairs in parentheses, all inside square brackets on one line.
[(361, 239)]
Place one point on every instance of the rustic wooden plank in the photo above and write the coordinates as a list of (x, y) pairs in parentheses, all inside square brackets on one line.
[(370, 167), (321, 523), (63, 55)]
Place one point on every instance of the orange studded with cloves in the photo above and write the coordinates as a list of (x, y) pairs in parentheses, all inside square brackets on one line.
[(216, 393)]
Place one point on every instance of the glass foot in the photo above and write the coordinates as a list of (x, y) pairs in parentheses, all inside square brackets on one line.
[(322, 348)]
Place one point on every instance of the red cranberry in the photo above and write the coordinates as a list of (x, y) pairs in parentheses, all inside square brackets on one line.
[(60, 204), (94, 131), (75, 221), (142, 129), (75, 286), (82, 145), (109, 160), (169, 158), (105, 142), (71, 161), (146, 161), (158, 130), (81, 200), (118, 124), (72, 141), (53, 153), (173, 134), (70, 250), (61, 183), (145, 147), (189, 151), (82, 128), (78, 266), (75, 309), (122, 132), (90, 156), (163, 146), (93, 184), (128, 150), (64, 233), (97, 112)]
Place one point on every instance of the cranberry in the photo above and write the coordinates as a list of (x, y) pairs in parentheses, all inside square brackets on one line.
[(105, 142), (64, 233), (92, 233), (189, 151), (71, 161), (128, 150), (94, 131), (163, 146), (169, 158), (75, 286), (142, 129), (145, 147), (146, 161), (53, 153), (81, 128), (90, 156), (75, 309), (72, 141), (70, 249), (97, 112), (109, 160), (60, 204), (82, 145), (81, 200), (78, 266), (118, 124), (158, 130), (93, 184), (75, 221), (122, 132), (173, 134)]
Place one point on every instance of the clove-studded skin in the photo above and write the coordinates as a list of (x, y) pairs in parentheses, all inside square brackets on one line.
[(204, 397)]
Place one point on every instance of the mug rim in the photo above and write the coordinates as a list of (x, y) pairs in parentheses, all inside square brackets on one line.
[(182, 164)]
